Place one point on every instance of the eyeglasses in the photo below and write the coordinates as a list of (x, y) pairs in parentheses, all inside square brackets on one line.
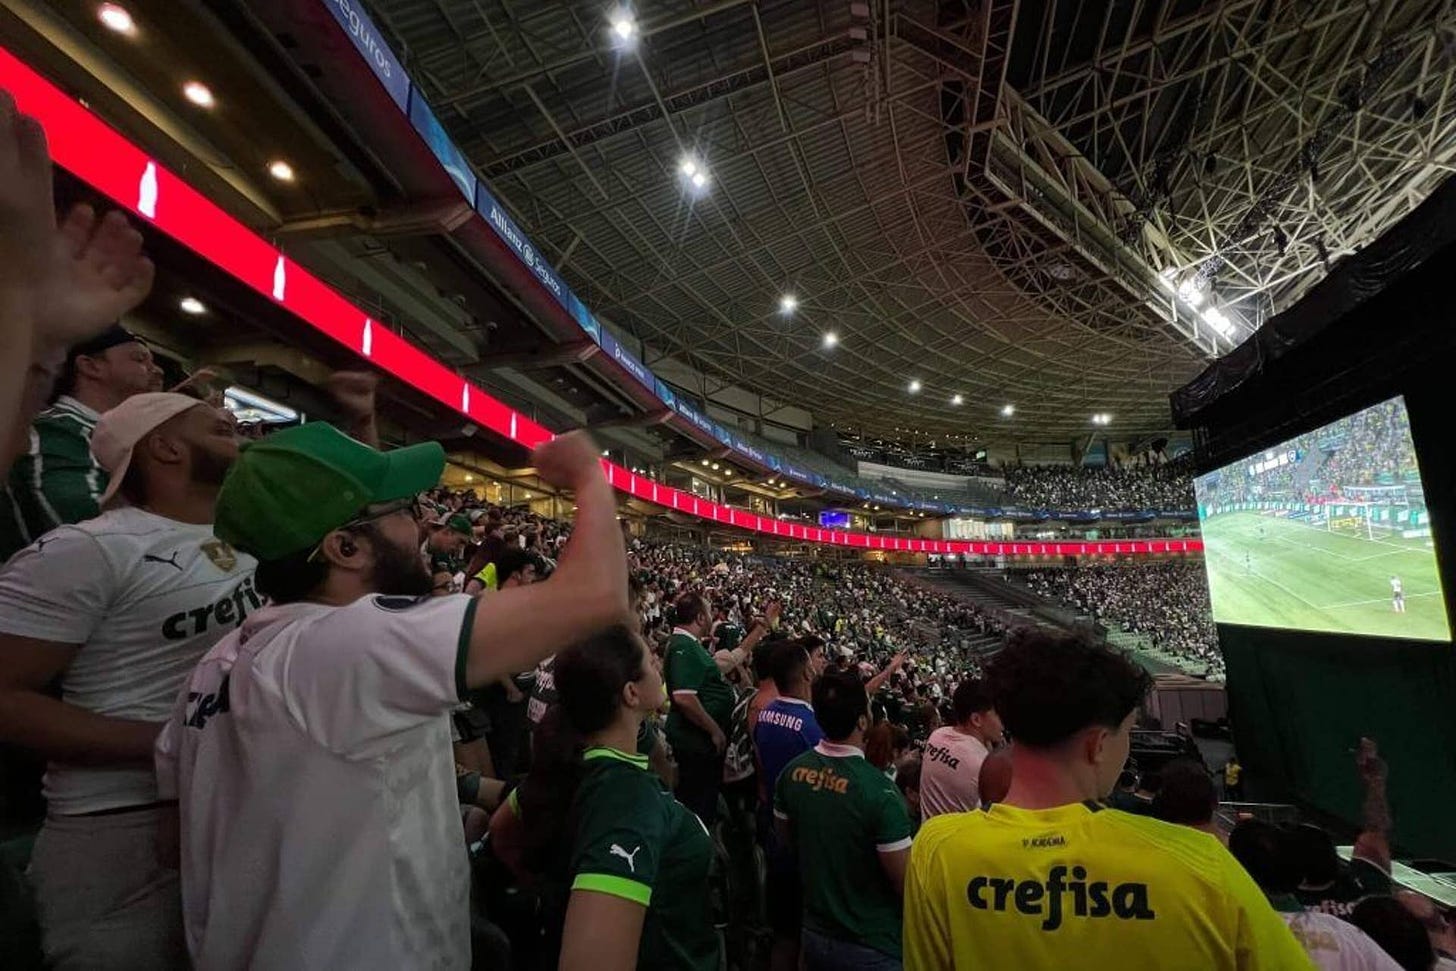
[(370, 514)]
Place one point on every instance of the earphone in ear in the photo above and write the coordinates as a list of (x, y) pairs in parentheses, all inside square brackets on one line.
[(347, 547)]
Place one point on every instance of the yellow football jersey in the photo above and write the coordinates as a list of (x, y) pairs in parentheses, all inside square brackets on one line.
[(1084, 887)]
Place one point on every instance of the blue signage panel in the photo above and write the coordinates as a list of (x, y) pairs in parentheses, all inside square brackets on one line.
[(454, 161), (628, 360), (373, 49)]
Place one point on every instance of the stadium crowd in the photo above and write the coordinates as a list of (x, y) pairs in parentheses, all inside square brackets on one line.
[(302, 709), (1167, 486), (1165, 602)]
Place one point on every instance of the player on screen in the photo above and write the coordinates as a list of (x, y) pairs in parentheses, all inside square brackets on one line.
[(1397, 595)]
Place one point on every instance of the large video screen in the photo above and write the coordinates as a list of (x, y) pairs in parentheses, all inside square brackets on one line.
[(1327, 532)]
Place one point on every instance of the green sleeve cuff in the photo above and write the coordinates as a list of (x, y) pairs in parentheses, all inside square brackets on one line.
[(638, 893), (462, 649)]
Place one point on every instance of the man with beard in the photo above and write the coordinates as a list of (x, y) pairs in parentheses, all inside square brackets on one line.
[(118, 608), (310, 750)]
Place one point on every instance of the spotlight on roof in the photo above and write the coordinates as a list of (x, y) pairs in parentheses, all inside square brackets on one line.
[(623, 27), (1007, 411), (788, 303), (958, 399), (192, 306), (1191, 291), (280, 170), (915, 386), (115, 17), (199, 94), (1101, 418), (831, 339)]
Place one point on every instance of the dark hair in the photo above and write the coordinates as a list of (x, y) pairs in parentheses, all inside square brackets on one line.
[(292, 578), (787, 664), (1047, 686), (839, 703), (509, 563), (879, 747), (971, 696), (1313, 852), (589, 680), (1187, 796), (762, 660), (1263, 850), (688, 608), (1398, 932), (908, 775)]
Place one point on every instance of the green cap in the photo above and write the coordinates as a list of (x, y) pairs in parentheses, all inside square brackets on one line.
[(460, 523), (286, 492)]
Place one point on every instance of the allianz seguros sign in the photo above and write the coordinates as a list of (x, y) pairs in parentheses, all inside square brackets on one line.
[(371, 46)]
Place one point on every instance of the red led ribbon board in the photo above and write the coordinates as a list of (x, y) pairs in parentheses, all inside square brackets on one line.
[(97, 154)]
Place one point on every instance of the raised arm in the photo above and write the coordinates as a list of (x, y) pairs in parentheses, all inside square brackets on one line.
[(514, 629), (874, 684), (1373, 843)]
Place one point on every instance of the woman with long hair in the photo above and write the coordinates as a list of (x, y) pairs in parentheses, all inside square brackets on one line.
[(593, 821)]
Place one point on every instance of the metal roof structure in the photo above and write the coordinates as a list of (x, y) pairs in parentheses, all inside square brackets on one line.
[(1062, 206)]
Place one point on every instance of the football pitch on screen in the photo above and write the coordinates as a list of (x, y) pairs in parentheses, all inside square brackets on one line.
[(1267, 571)]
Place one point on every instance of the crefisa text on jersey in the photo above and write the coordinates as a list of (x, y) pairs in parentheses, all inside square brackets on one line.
[(1098, 898)]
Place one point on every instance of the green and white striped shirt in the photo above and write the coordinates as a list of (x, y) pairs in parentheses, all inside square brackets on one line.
[(57, 481)]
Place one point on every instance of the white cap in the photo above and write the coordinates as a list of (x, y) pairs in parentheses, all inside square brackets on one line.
[(119, 430)]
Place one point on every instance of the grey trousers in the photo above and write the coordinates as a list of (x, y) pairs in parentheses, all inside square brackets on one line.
[(105, 904)]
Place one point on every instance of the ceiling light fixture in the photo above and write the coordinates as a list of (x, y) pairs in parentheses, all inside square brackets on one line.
[(199, 94), (1191, 291), (958, 400), (788, 303), (1007, 411), (831, 339), (116, 17), (280, 170), (624, 28), (915, 386), (192, 306)]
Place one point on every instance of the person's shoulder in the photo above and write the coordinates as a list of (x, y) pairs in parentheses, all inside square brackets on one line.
[(943, 831), (65, 417), (615, 786), (1193, 849)]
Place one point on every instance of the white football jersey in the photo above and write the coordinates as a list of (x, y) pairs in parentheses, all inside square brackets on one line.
[(144, 596), (310, 753), (1335, 945)]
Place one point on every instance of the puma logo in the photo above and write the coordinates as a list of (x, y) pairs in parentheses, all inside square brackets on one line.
[(170, 561), (629, 857)]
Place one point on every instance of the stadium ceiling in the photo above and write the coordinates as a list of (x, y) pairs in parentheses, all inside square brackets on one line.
[(1062, 206)]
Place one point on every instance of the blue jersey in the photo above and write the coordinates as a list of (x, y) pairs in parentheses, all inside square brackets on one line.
[(786, 729)]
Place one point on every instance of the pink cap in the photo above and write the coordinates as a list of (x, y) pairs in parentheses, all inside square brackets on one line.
[(119, 430)]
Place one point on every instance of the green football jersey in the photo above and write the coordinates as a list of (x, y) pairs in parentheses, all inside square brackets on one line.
[(56, 481), (842, 813), (633, 840), (690, 668)]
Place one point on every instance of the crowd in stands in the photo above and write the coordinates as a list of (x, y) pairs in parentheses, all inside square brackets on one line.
[(1375, 448), (301, 708), (1167, 486), (1165, 602)]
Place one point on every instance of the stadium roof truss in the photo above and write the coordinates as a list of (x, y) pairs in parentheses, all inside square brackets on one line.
[(1002, 200)]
